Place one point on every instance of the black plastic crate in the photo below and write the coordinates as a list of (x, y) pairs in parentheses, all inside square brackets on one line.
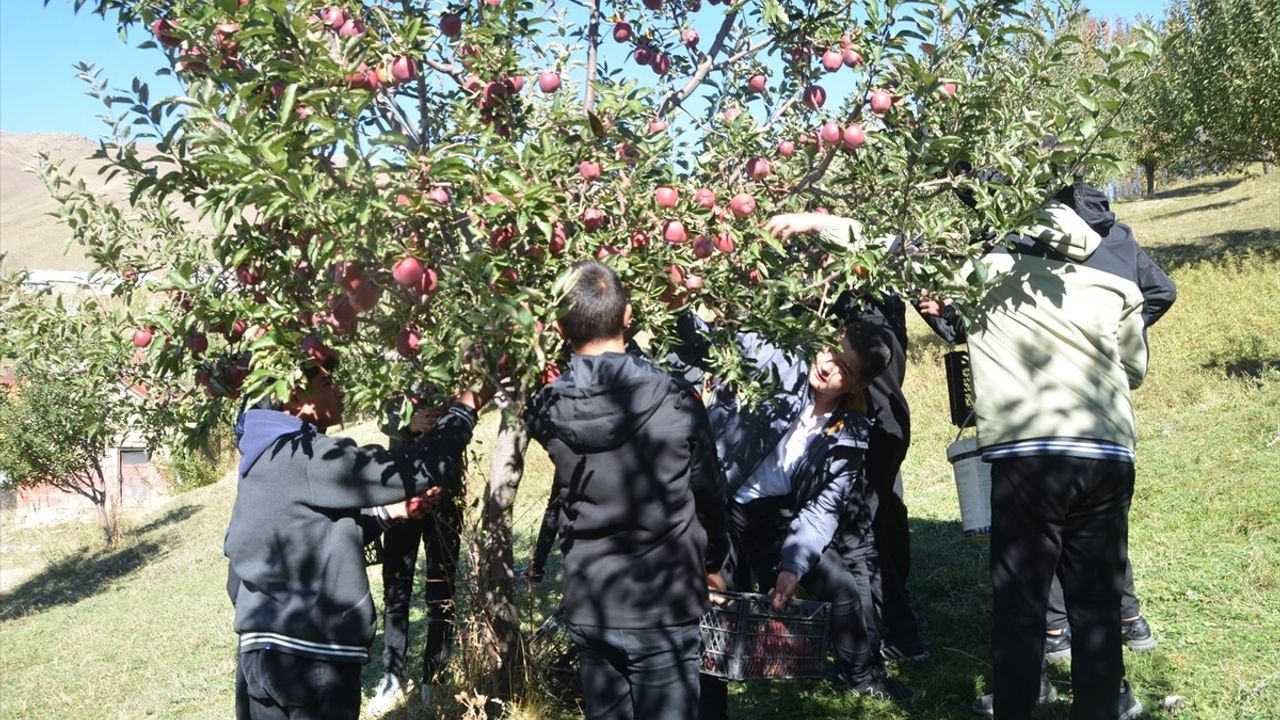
[(744, 639)]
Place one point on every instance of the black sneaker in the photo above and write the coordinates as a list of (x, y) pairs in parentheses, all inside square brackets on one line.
[(986, 705), (883, 687), (1137, 635), (1057, 648), (904, 652), (1129, 706)]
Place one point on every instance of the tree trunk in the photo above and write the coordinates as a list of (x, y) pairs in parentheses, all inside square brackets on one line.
[(500, 620), (107, 499), (1150, 169)]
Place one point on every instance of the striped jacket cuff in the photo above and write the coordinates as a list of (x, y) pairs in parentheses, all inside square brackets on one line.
[(1072, 447)]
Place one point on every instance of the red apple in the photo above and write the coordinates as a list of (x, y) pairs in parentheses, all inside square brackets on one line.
[(593, 219), (757, 82), (653, 4), (558, 240), (724, 242), (549, 82), (703, 247), (881, 101), (407, 272), (627, 154), (349, 275), (704, 197), (314, 348), (786, 148), (407, 344), (451, 25), (830, 132), (949, 89), (142, 337), (851, 58), (514, 84), (666, 196), (439, 195), (693, 282), (622, 32), (429, 283), (644, 55), (589, 170), (676, 274), (235, 330), (742, 205), (853, 136), (341, 310), (508, 277), (754, 277), (403, 200), (661, 63), (658, 125), (403, 69), (758, 168), (334, 17), (248, 275), (351, 28), (502, 236), (414, 504), (689, 37), (163, 29), (730, 114), (673, 232), (638, 239), (832, 60), (366, 297), (814, 97), (197, 342)]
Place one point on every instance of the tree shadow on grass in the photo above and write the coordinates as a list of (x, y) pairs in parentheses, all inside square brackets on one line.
[(1204, 188), (1196, 208), (89, 571), (1219, 247), (75, 578)]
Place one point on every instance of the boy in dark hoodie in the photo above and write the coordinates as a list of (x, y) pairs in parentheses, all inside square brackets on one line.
[(642, 514), (297, 578)]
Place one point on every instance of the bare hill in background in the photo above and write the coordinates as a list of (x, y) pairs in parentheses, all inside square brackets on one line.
[(29, 235)]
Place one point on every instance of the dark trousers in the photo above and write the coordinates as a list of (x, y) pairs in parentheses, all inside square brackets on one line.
[(885, 454), (638, 674), (1068, 514), (273, 685), (439, 534), (1056, 617)]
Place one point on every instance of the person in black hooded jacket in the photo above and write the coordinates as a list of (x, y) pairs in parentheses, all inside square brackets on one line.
[(642, 514), (296, 576)]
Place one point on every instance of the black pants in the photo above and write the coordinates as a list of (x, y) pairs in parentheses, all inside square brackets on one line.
[(439, 534), (273, 685), (757, 531), (1068, 514), (638, 674), (885, 454), (1056, 618)]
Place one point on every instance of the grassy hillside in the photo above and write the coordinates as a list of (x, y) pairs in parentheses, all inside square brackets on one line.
[(145, 631)]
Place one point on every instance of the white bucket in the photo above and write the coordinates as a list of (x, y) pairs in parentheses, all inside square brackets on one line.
[(973, 485)]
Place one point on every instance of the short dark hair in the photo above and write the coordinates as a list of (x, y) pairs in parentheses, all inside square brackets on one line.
[(873, 344), (595, 306)]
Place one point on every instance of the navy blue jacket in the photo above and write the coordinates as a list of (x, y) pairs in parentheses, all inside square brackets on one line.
[(827, 475)]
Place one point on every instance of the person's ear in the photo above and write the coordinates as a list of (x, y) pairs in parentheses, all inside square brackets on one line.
[(626, 317)]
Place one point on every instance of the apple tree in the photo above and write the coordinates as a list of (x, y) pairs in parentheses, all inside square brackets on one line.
[(407, 184), (58, 421)]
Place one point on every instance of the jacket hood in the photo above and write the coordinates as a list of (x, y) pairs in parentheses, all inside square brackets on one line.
[(1091, 205), (602, 400), (1060, 229), (256, 430)]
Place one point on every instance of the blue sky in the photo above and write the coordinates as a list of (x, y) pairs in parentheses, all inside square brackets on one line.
[(40, 45)]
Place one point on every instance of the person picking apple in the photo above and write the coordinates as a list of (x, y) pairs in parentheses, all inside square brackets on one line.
[(306, 504)]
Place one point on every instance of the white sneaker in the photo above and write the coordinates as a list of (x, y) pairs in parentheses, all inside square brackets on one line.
[(391, 693)]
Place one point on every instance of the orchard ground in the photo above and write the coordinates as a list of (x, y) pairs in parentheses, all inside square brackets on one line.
[(145, 630)]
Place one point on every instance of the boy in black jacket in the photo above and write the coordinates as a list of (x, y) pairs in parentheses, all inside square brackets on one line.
[(297, 577), (642, 511)]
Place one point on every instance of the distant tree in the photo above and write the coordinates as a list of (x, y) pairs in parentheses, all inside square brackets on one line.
[(62, 416)]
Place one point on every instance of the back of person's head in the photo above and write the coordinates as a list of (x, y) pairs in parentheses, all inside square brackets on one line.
[(595, 306), (872, 344)]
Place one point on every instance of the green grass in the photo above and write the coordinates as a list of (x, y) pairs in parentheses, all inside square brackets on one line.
[(145, 630)]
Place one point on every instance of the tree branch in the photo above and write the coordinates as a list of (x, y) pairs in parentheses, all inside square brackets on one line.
[(593, 46), (703, 69)]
